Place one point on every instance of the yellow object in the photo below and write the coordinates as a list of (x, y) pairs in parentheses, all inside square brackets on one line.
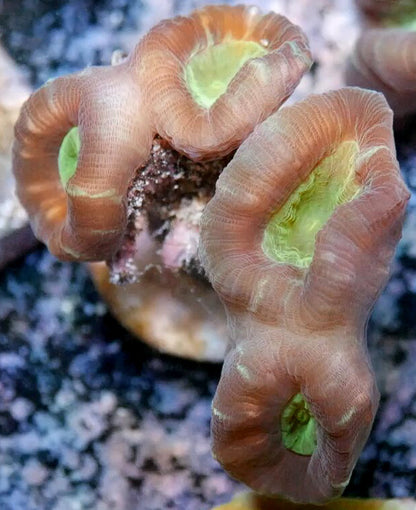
[(252, 501)]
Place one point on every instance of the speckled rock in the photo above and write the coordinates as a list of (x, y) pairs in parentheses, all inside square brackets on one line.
[(90, 418)]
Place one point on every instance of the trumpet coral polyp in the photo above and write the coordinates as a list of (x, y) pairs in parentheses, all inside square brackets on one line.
[(384, 60), (297, 396), (227, 45)]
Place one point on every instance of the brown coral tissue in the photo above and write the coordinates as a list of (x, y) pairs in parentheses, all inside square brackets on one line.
[(297, 242), (385, 60), (200, 82)]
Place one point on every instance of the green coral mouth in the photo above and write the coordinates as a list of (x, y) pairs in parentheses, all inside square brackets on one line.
[(290, 234), (68, 155), (210, 71), (298, 427)]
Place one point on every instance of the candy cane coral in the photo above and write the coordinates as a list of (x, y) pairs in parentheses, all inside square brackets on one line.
[(297, 242), (80, 138)]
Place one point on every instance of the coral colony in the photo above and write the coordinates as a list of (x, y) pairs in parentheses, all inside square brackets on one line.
[(296, 240)]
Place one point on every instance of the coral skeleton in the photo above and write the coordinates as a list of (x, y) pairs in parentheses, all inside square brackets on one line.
[(297, 242)]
